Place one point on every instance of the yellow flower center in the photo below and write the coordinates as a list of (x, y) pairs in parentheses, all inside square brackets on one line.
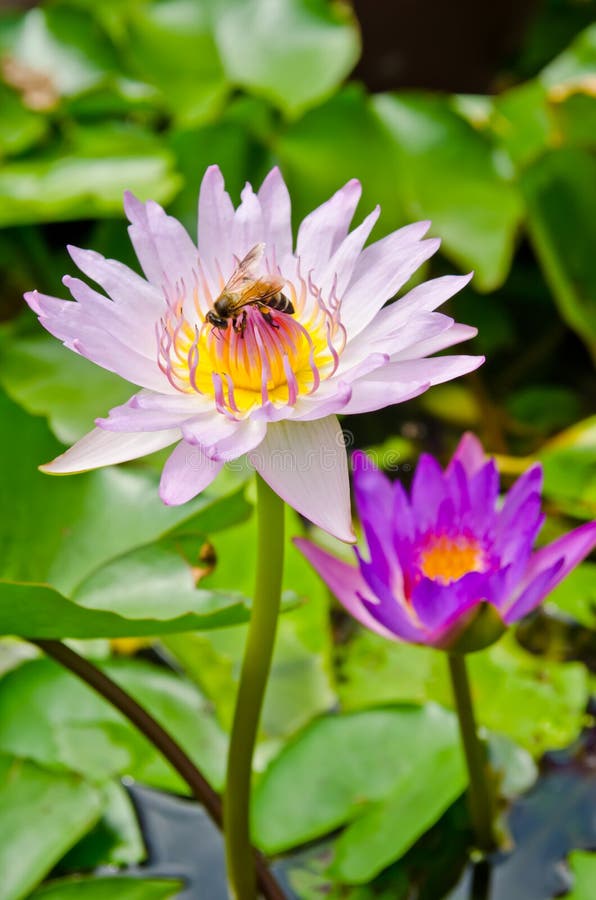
[(446, 559), (262, 356)]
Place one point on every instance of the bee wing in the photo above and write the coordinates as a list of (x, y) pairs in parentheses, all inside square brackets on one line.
[(245, 270), (259, 291)]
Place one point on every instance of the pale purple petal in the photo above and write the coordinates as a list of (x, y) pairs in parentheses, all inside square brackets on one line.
[(372, 393), (322, 231), (382, 269), (336, 275), (86, 334), (165, 251), (432, 371), (130, 328), (105, 448), (224, 440), (125, 287), (422, 299), (187, 472), (345, 582), (306, 464), (431, 294), (247, 227), (131, 416), (309, 408), (419, 329), (209, 428), (277, 217), (435, 343), (216, 214)]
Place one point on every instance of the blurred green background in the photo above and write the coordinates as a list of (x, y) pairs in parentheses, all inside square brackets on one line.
[(480, 119)]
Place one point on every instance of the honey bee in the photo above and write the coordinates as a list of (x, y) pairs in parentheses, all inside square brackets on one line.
[(245, 289)]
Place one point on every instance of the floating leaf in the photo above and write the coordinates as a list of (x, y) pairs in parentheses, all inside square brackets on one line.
[(108, 888), (535, 702), (297, 54), (338, 765), (59, 530), (30, 795), (561, 189), (449, 174), (51, 717), (87, 176)]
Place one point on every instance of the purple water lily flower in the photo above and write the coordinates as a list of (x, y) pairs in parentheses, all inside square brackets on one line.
[(440, 555), (247, 344)]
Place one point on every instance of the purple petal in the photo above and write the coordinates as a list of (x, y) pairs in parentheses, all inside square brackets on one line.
[(129, 417), (389, 614), (469, 453), (458, 489), (345, 582), (429, 490), (483, 489), (306, 464), (530, 483), (188, 471), (374, 501), (105, 448), (557, 559), (534, 593), (439, 606), (516, 541), (322, 231)]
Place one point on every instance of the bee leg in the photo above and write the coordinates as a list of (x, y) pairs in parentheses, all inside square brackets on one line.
[(269, 318), (239, 324)]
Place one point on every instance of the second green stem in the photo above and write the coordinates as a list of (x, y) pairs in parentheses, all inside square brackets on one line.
[(253, 680), (480, 796)]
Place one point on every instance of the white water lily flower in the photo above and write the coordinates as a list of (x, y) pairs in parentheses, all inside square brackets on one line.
[(300, 336)]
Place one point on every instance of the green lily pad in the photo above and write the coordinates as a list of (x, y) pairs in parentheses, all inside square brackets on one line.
[(52, 718), (108, 888), (30, 795), (340, 765), (298, 51), (449, 174)]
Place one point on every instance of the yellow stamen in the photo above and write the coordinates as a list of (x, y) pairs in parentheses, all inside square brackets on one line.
[(446, 559)]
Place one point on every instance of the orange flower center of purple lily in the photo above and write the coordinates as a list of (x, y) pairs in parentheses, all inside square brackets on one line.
[(445, 559)]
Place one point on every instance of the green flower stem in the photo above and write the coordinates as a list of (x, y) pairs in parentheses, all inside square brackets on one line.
[(161, 740), (253, 679), (480, 797)]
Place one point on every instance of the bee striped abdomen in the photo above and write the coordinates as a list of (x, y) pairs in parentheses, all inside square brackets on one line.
[(281, 303)]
